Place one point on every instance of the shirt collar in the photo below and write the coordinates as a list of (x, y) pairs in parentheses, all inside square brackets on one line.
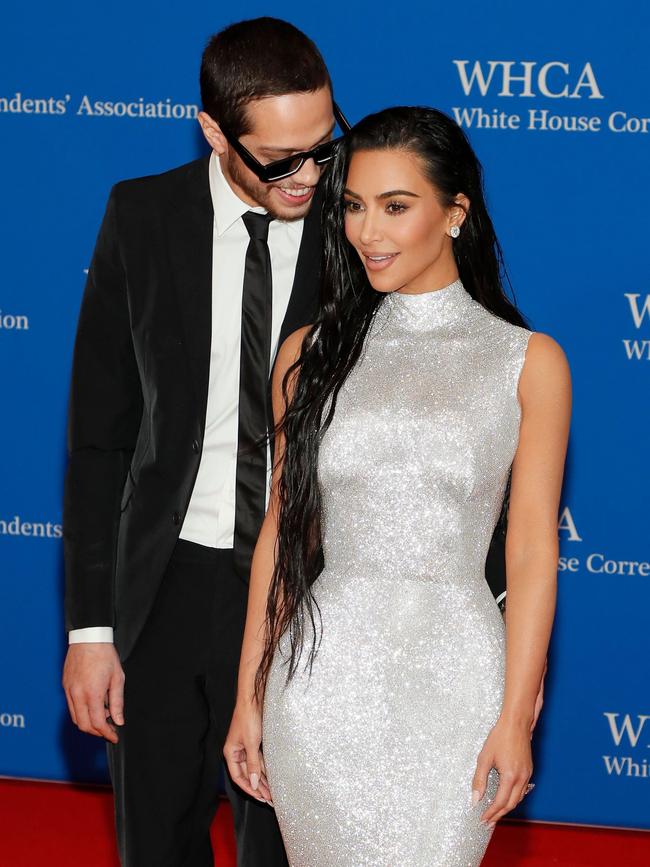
[(228, 207)]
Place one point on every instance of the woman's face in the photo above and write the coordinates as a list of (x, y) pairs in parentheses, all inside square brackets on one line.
[(395, 222)]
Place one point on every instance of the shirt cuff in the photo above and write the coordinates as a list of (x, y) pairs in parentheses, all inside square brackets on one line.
[(92, 635)]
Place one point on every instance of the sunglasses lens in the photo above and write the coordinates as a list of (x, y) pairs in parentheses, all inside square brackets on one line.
[(323, 153), (282, 168), (279, 169)]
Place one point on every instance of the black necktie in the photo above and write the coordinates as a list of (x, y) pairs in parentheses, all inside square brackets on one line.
[(250, 490)]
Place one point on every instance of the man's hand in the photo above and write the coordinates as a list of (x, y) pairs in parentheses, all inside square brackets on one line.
[(93, 681)]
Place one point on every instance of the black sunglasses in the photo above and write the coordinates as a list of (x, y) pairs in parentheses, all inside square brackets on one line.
[(288, 166)]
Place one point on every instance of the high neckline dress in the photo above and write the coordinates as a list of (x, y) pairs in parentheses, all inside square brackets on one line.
[(371, 755)]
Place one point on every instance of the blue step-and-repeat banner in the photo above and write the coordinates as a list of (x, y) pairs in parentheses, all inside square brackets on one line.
[(554, 96)]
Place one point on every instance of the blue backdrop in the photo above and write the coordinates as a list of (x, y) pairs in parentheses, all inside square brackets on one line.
[(555, 98)]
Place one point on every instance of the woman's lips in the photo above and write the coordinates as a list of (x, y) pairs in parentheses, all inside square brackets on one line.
[(379, 261)]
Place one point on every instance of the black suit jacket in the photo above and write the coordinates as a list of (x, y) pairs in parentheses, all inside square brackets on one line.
[(139, 392)]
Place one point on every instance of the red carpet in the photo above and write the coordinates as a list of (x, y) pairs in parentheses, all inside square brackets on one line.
[(52, 825)]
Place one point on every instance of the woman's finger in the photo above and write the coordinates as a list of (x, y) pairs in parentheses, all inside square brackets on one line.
[(524, 791), (512, 802), (266, 779), (479, 783), (235, 756), (242, 779), (253, 765), (261, 789), (264, 788), (503, 795), (254, 772), (506, 799), (234, 769)]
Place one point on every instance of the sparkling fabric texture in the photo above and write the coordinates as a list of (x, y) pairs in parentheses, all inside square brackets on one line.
[(371, 757)]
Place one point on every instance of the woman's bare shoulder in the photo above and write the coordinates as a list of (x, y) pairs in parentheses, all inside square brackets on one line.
[(546, 369), (288, 354), (290, 350)]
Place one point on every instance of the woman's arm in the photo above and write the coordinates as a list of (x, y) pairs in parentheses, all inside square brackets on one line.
[(242, 747), (531, 567)]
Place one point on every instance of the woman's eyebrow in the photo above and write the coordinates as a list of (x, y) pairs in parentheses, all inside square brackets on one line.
[(386, 195), (397, 193)]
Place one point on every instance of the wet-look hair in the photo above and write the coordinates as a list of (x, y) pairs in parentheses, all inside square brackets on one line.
[(335, 342)]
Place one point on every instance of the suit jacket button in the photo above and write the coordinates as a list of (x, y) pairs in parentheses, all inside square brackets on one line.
[(195, 447), (176, 518)]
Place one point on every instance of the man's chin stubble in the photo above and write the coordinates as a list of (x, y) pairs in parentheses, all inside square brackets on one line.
[(288, 216), (262, 194)]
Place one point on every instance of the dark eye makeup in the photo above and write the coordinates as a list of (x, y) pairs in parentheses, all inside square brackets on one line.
[(392, 208)]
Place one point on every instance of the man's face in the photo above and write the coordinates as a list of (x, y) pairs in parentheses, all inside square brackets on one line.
[(281, 126)]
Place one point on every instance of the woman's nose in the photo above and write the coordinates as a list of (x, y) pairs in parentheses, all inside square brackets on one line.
[(369, 229)]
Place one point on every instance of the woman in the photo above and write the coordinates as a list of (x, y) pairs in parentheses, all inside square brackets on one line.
[(397, 716)]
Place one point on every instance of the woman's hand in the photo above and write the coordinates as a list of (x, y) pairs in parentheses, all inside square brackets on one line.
[(243, 754), (507, 748)]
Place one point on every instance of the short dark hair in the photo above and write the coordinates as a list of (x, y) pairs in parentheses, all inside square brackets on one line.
[(255, 59)]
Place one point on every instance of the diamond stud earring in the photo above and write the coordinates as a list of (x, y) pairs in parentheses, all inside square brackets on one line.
[(454, 231)]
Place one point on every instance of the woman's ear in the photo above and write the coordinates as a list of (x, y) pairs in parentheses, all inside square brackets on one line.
[(212, 133), (458, 212)]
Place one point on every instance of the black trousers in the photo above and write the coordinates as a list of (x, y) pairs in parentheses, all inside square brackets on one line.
[(179, 696)]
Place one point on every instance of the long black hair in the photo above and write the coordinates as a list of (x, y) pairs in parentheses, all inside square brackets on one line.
[(334, 344)]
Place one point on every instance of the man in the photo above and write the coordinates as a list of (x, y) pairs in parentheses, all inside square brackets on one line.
[(197, 277)]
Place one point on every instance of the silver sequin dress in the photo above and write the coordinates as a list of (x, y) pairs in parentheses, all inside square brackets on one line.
[(371, 757)]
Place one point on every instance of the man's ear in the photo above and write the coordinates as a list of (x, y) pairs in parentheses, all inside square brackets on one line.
[(458, 211), (212, 133)]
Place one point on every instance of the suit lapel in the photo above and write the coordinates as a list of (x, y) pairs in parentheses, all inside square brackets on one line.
[(191, 256)]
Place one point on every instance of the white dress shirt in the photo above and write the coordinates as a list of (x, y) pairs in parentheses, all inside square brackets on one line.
[(210, 518)]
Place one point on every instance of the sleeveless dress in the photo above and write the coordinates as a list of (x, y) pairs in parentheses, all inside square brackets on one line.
[(371, 756)]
